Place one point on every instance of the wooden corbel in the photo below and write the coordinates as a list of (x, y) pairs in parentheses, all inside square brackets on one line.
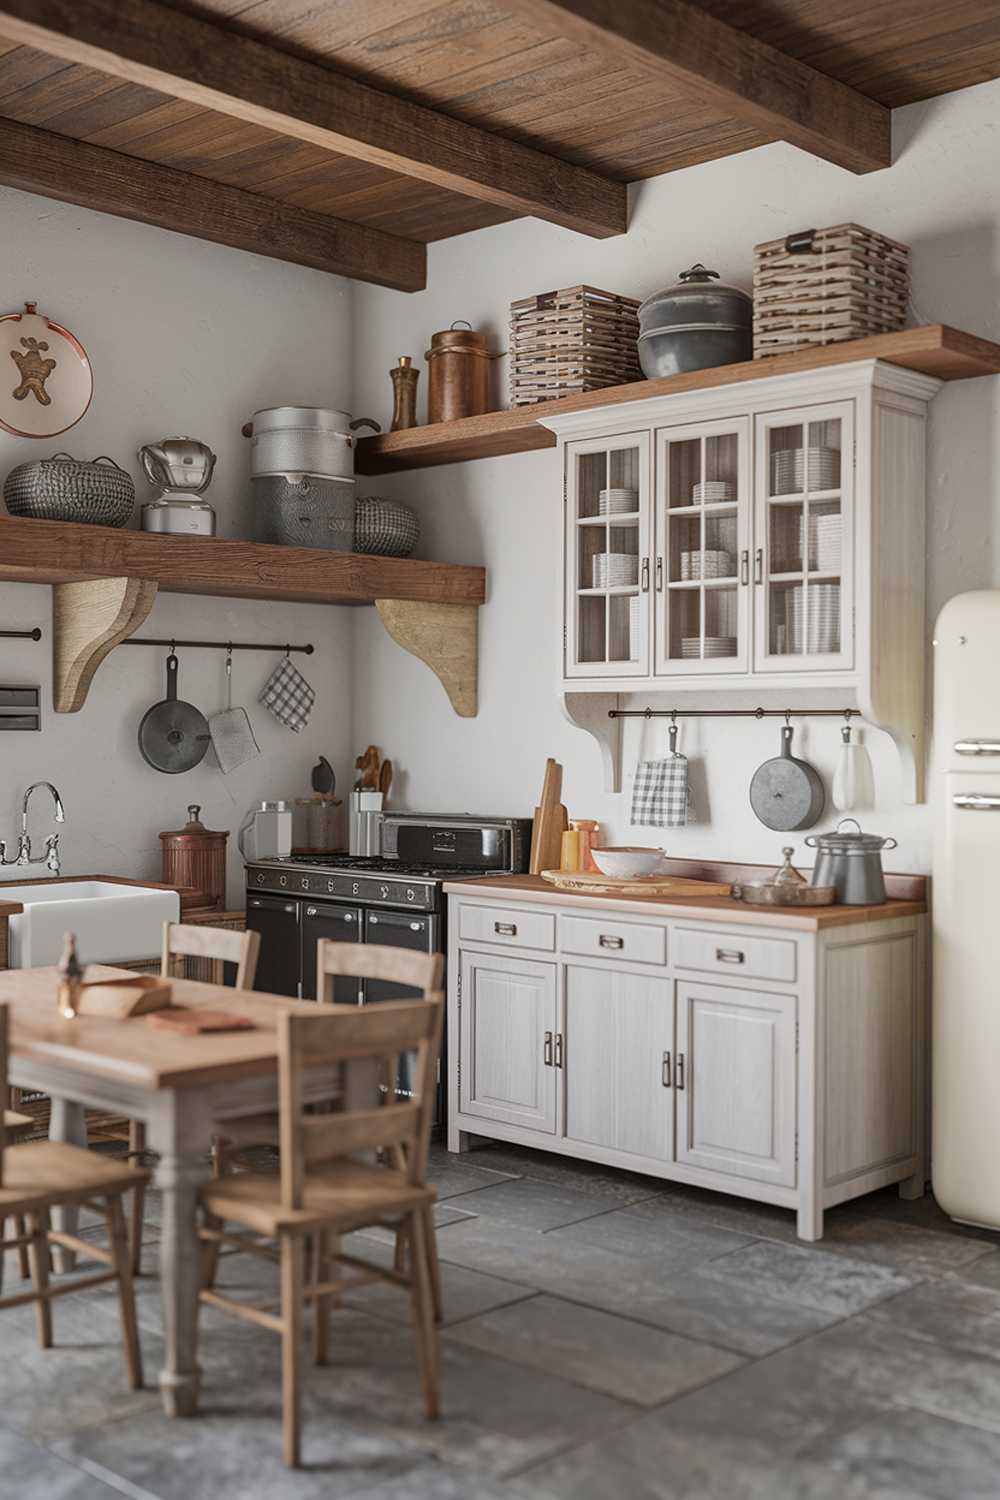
[(446, 637), (88, 620)]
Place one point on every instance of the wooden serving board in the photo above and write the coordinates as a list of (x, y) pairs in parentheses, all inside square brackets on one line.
[(118, 999), (183, 1022), (587, 883)]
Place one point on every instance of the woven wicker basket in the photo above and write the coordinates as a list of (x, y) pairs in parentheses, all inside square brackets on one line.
[(579, 339)]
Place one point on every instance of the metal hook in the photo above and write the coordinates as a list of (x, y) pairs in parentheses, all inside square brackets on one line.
[(847, 716), (788, 716), (648, 713), (173, 646), (672, 732)]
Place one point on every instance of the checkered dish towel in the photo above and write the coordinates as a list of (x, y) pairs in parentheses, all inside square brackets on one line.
[(289, 697), (660, 793)]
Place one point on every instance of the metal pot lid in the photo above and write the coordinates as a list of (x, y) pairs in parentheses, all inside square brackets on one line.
[(194, 829), (837, 842), (697, 286)]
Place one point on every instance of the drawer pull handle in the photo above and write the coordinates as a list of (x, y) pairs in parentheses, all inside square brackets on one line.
[(679, 1070), (665, 1071), (610, 942), (977, 802), (547, 1049), (559, 1049), (977, 747), (505, 929), (729, 956)]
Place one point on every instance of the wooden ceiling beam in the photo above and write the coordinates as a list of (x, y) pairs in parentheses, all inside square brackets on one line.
[(688, 49), (217, 68), (75, 172)]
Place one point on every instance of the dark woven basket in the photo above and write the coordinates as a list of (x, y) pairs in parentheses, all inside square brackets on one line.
[(386, 528), (63, 488)]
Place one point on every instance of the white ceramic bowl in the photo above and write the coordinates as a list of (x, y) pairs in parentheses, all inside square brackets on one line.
[(627, 863)]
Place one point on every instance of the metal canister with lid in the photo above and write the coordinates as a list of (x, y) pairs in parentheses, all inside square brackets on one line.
[(458, 373), (196, 856)]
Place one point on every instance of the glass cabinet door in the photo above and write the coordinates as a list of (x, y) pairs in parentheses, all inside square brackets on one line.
[(702, 569), (607, 557), (803, 544)]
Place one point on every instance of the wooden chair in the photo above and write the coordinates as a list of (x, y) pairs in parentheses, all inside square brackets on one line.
[(324, 1191), (39, 1175), (17, 1126), (179, 942)]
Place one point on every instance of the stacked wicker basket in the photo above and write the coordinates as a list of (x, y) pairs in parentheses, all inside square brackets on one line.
[(579, 339), (827, 285)]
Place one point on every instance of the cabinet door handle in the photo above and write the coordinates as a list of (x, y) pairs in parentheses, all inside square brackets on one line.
[(645, 575), (679, 1070), (758, 565), (547, 1049), (606, 941), (659, 575), (745, 566), (730, 956), (665, 1071), (559, 1049), (505, 929)]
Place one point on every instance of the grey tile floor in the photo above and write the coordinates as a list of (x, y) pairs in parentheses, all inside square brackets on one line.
[(605, 1336)]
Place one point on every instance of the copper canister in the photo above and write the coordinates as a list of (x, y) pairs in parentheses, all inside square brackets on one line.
[(196, 856), (458, 373)]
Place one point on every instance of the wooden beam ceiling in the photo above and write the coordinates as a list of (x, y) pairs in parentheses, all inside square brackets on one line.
[(209, 65), (75, 172), (681, 44)]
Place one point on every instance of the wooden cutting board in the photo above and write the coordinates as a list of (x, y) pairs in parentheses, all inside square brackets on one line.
[(550, 822), (119, 999), (586, 883), (184, 1022)]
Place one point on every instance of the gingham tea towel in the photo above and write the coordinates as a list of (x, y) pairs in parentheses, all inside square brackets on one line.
[(660, 793), (289, 697)]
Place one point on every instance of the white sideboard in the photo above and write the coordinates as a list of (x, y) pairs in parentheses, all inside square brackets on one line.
[(774, 1056)]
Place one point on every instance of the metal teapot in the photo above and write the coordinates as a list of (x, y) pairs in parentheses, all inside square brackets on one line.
[(178, 463)]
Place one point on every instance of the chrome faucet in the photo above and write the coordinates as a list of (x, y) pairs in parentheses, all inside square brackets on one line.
[(50, 858)]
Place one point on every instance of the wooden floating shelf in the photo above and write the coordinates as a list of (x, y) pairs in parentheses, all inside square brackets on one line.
[(936, 350), (105, 582)]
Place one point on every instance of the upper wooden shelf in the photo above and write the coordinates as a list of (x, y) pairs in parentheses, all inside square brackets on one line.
[(64, 552), (936, 349)]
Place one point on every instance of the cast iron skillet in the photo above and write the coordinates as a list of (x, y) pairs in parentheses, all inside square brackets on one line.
[(173, 735)]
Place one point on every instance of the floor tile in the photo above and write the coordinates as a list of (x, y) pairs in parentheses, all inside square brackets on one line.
[(912, 1249), (982, 1272), (29, 1472), (910, 1453), (453, 1174), (596, 1349), (627, 1231), (444, 1213), (439, 1482), (465, 1293), (564, 1171), (532, 1205), (835, 1284), (948, 1311), (714, 1311)]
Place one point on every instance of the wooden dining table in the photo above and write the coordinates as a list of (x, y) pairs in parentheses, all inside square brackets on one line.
[(183, 1088)]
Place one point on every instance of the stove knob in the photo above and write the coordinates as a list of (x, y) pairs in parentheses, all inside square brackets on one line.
[(411, 894), (383, 891), (282, 879), (260, 877), (330, 886), (305, 884)]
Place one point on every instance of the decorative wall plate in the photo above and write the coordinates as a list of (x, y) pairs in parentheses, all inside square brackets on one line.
[(46, 380)]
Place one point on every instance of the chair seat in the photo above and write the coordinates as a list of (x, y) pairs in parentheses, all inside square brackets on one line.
[(344, 1193), (16, 1124), (249, 1130), (40, 1173)]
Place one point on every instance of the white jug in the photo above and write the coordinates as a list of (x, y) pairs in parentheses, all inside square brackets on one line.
[(266, 831)]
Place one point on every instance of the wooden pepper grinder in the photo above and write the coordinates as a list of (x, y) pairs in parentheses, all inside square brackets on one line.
[(70, 979), (404, 394)]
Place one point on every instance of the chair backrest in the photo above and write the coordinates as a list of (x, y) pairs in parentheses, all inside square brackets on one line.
[(420, 971), (181, 940), (4, 1034), (380, 1032)]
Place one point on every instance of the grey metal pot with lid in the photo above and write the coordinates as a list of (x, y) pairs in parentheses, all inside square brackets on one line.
[(697, 323), (852, 863)]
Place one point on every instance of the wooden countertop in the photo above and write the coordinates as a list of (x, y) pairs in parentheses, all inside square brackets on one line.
[(706, 908), (10, 908)]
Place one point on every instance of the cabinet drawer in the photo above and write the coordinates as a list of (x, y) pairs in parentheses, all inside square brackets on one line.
[(734, 954), (507, 927), (606, 938)]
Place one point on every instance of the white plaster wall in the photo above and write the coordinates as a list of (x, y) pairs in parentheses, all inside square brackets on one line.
[(943, 198), (185, 337)]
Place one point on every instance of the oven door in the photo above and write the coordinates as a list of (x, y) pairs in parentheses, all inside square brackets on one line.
[(277, 920), (403, 929), (341, 924)]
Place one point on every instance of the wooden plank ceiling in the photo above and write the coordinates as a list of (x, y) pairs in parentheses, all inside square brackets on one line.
[(483, 111)]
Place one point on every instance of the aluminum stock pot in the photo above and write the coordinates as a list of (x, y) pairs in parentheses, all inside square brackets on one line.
[(851, 863), (303, 440)]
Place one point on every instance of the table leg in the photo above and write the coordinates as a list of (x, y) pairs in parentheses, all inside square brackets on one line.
[(68, 1125), (180, 1129)]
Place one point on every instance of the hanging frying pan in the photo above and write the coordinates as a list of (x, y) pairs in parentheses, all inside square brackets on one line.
[(173, 735), (787, 793)]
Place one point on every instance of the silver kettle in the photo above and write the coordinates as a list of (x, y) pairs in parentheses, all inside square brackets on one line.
[(179, 463)]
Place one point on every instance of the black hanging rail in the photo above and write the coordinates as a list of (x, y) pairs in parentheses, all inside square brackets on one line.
[(22, 635), (734, 713), (175, 644)]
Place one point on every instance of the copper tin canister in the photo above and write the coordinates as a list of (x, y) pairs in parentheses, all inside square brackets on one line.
[(196, 856), (458, 374)]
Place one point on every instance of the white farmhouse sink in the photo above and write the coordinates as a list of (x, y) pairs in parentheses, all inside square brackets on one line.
[(110, 921)]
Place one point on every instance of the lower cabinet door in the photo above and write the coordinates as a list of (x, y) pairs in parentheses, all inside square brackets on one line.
[(618, 1061), (507, 1022), (735, 1078)]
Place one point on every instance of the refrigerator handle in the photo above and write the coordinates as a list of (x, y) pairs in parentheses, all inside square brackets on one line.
[(977, 802), (977, 747)]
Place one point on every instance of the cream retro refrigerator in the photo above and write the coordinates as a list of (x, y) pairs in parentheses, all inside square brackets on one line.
[(966, 897)]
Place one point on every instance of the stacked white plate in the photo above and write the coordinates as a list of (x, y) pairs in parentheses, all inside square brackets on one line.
[(634, 626), (614, 570), (618, 502), (824, 619), (706, 564), (713, 492), (715, 645), (796, 469)]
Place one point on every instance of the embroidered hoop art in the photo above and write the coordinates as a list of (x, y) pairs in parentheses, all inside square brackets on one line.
[(46, 380)]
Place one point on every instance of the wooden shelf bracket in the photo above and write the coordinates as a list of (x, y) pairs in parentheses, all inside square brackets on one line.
[(90, 618), (446, 637)]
